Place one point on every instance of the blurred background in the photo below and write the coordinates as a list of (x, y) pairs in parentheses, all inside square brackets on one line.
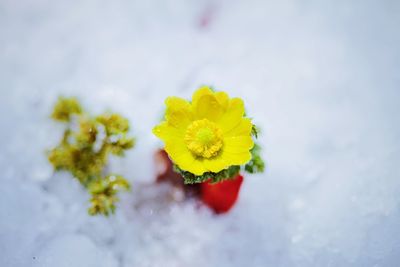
[(320, 78)]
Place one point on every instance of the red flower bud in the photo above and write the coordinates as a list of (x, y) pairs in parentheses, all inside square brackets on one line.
[(222, 196)]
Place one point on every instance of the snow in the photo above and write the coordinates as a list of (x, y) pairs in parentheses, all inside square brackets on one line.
[(319, 77), (73, 250)]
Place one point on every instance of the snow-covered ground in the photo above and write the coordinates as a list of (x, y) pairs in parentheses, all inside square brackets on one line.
[(321, 78)]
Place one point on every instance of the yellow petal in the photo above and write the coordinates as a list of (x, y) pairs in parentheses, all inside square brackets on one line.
[(223, 99), (233, 115), (175, 147), (236, 158), (181, 156), (242, 129), (202, 91), (216, 164), (238, 144), (165, 131), (207, 107), (188, 162), (196, 167), (178, 113)]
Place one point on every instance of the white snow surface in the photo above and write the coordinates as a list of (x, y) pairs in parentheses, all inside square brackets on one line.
[(320, 78)]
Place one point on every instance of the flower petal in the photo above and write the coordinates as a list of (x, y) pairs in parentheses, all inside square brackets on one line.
[(165, 131), (181, 156), (202, 91), (242, 129), (207, 107), (216, 164), (187, 161), (236, 158), (178, 113), (233, 115), (238, 144), (196, 167), (223, 99)]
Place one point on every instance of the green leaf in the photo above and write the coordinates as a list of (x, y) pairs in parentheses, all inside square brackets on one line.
[(254, 131), (256, 164)]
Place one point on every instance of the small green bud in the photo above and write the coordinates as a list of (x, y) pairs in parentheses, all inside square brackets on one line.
[(65, 108)]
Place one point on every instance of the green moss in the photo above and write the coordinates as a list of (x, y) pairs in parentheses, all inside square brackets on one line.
[(85, 148)]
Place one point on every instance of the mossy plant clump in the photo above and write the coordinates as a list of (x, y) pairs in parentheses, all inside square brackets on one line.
[(84, 150)]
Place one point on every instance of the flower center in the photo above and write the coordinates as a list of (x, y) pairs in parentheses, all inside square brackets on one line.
[(204, 138)]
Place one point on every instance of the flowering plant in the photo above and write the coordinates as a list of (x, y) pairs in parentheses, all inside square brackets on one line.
[(209, 138)]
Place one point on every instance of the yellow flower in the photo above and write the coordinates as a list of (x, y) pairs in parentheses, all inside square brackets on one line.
[(207, 135)]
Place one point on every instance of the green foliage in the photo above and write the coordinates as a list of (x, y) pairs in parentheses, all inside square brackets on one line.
[(85, 148), (254, 131), (256, 164), (190, 178)]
